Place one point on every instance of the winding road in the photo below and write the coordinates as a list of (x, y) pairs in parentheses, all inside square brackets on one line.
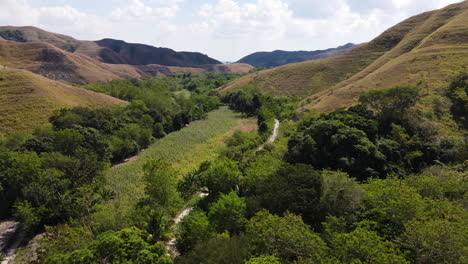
[(273, 136)]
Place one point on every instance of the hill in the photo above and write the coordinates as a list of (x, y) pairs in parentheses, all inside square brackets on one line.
[(27, 100), (109, 50), (56, 64), (280, 57), (139, 54), (426, 50), (78, 68)]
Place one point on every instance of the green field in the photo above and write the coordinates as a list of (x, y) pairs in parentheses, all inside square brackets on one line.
[(185, 149)]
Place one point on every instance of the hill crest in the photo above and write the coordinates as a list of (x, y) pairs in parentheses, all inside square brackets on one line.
[(427, 50), (109, 50)]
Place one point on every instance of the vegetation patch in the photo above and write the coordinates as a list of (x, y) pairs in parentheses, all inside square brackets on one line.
[(185, 150)]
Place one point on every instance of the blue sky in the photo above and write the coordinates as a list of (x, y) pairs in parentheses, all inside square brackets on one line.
[(224, 29)]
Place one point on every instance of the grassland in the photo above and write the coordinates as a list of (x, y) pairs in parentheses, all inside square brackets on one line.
[(427, 50), (27, 100), (185, 149)]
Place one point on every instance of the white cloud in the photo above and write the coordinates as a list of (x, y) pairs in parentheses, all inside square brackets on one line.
[(17, 12), (224, 29), (66, 18), (263, 18), (139, 10)]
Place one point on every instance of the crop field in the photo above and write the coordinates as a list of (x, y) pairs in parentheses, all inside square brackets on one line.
[(185, 149)]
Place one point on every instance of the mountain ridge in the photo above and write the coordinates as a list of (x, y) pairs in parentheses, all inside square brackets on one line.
[(281, 57), (109, 50), (64, 58)]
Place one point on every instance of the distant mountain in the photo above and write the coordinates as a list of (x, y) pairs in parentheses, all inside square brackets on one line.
[(427, 50), (109, 50), (139, 54), (280, 57)]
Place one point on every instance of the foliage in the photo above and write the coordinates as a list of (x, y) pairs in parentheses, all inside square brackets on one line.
[(264, 259), (221, 177), (39, 191), (390, 103), (393, 140), (391, 203), (341, 195), (185, 150), (435, 241), (364, 246), (218, 250), (228, 213), (125, 246), (251, 102), (295, 188), (193, 229), (162, 198), (458, 93), (285, 237)]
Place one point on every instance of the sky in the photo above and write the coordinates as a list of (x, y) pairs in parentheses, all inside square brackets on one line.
[(226, 30)]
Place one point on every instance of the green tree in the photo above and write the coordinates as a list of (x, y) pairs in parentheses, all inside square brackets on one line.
[(285, 237), (364, 246), (228, 213), (458, 93), (392, 203), (193, 229), (222, 176), (391, 103), (435, 241), (333, 144), (341, 195), (295, 188), (125, 246), (68, 141), (218, 250), (163, 198)]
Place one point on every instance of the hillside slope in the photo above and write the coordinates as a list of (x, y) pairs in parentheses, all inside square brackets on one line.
[(57, 64), (109, 50), (27, 100), (427, 49), (280, 57)]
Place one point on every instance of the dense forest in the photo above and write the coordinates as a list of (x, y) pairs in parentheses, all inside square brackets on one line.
[(383, 181)]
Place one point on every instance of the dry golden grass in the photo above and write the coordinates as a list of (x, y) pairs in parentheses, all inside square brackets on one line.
[(234, 67), (80, 69), (439, 51), (427, 49), (27, 100), (74, 68), (82, 59)]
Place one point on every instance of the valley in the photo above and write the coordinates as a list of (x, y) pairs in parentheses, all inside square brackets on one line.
[(120, 152)]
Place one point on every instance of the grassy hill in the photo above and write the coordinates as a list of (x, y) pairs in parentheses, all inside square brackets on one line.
[(109, 50), (280, 57), (27, 100), (427, 49), (57, 64)]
